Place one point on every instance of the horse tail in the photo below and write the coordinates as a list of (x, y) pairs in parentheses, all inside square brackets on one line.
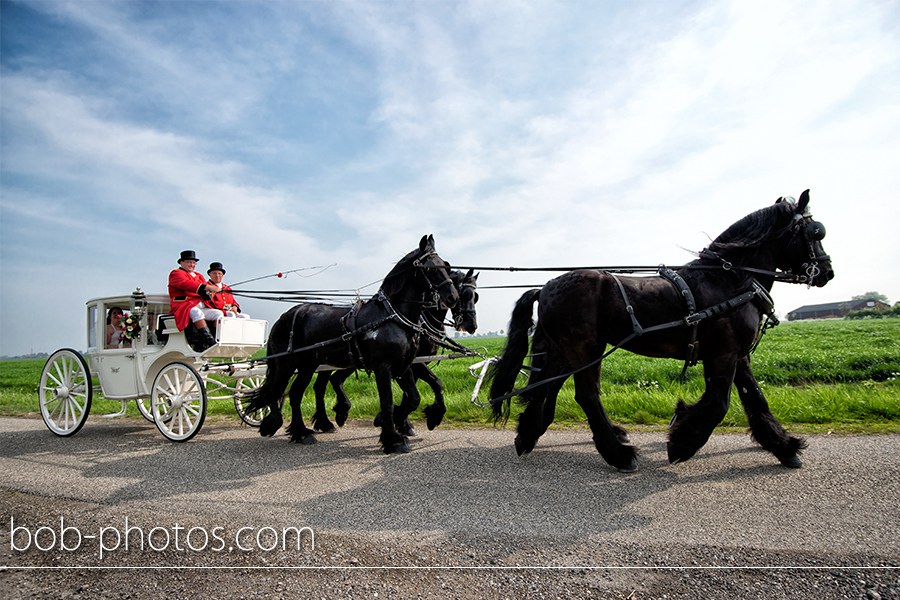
[(503, 373), (258, 398), (275, 383)]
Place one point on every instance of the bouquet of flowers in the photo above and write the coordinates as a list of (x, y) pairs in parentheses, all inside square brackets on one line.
[(131, 326)]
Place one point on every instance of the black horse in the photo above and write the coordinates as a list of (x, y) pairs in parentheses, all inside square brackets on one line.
[(432, 323), (711, 310), (378, 335)]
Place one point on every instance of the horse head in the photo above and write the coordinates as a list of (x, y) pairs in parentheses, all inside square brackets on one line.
[(437, 272), (783, 237), (804, 257), (464, 311)]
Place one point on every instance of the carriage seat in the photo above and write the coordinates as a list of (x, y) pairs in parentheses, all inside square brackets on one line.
[(166, 325)]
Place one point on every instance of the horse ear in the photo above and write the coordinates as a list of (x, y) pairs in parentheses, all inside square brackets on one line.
[(780, 200), (804, 201), (470, 273), (423, 243)]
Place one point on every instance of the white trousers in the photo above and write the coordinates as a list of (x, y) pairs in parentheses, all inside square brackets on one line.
[(200, 312)]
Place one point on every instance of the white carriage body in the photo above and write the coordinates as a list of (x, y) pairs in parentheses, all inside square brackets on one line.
[(157, 368), (127, 371)]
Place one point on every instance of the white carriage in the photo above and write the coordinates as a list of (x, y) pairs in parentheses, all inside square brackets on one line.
[(168, 380)]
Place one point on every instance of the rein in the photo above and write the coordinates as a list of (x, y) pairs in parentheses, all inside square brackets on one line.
[(353, 332)]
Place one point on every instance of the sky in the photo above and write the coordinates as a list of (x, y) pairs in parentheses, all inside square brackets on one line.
[(276, 136)]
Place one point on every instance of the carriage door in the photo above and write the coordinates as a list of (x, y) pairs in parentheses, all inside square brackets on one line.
[(116, 366)]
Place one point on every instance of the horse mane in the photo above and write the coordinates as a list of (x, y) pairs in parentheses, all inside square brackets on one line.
[(395, 279), (756, 228)]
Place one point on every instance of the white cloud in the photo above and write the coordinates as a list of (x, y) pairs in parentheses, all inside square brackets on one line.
[(519, 134)]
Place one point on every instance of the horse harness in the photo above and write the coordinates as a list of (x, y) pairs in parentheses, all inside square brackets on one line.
[(756, 294)]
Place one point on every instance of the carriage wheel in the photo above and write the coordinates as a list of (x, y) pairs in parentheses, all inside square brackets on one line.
[(241, 388), (143, 405), (65, 392), (178, 401)]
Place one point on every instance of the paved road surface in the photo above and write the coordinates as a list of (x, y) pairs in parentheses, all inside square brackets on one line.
[(462, 498)]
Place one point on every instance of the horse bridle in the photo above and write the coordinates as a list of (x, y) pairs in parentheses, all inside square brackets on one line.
[(812, 232), (425, 262), (459, 315)]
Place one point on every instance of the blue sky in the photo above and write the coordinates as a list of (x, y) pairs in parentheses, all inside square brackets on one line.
[(273, 136)]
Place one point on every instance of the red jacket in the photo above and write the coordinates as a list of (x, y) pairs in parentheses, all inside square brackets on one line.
[(222, 298), (184, 294)]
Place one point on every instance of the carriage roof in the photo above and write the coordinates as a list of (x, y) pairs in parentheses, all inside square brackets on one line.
[(149, 298)]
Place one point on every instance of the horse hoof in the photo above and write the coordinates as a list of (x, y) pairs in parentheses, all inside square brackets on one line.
[(307, 440), (327, 428), (433, 416), (408, 431), (270, 427), (398, 448), (522, 447), (678, 454), (631, 467), (340, 418), (793, 461)]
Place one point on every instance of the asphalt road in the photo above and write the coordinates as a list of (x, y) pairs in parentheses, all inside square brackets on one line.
[(461, 499)]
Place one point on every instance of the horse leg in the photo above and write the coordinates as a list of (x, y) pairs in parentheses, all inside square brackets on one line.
[(764, 428), (553, 390), (298, 430), (320, 417), (693, 424), (402, 423), (550, 403), (342, 405), (409, 403), (390, 440), (269, 394), (434, 413), (606, 434), (534, 420)]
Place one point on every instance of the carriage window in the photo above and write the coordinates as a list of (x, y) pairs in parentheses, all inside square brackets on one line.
[(92, 327), (154, 312), (113, 331)]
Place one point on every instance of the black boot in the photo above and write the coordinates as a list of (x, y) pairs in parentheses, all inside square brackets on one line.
[(206, 340), (199, 339)]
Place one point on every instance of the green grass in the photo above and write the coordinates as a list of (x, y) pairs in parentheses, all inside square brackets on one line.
[(834, 375)]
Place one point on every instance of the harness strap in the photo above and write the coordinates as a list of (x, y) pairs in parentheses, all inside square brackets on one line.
[(348, 325), (684, 290), (635, 326), (690, 320)]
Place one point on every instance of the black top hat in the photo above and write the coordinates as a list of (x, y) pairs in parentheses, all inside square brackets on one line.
[(216, 266), (187, 255)]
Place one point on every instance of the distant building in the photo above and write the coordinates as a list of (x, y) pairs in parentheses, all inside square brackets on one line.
[(834, 310)]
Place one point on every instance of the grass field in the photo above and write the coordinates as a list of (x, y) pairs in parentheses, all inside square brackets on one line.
[(835, 375)]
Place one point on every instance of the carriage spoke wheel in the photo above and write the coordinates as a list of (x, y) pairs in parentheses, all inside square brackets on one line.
[(65, 392), (143, 405), (242, 387), (178, 401)]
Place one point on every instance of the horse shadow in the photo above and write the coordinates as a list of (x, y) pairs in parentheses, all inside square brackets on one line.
[(344, 483)]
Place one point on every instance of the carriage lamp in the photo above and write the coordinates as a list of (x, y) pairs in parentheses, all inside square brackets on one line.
[(138, 303)]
